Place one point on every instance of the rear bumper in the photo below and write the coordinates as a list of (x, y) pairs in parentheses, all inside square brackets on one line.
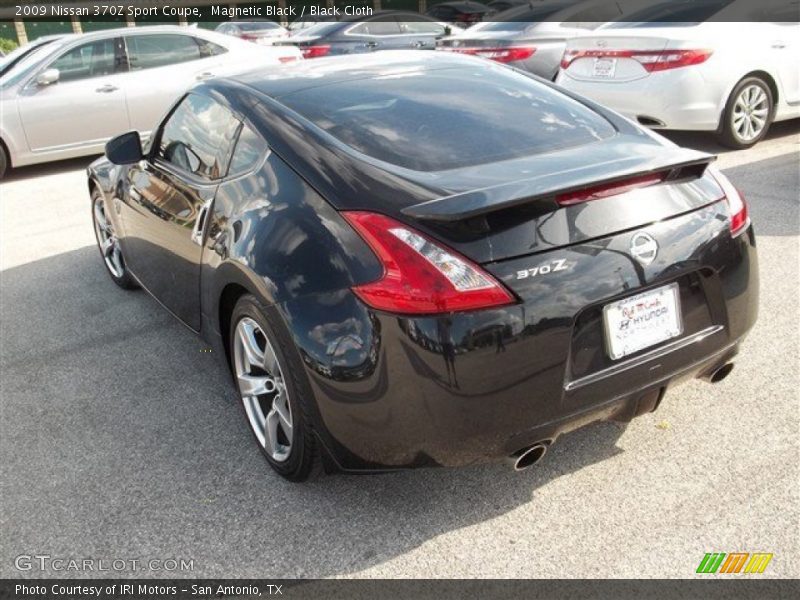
[(680, 99), (477, 387)]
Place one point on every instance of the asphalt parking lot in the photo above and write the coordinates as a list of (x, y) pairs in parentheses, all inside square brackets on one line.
[(121, 439)]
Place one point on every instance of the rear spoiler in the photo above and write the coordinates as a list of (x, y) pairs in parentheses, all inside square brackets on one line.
[(680, 165)]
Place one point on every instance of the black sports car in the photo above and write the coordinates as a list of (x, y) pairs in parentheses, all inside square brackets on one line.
[(414, 259)]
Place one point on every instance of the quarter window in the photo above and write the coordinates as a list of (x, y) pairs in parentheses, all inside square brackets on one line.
[(198, 136), (249, 149), (422, 27), (89, 60)]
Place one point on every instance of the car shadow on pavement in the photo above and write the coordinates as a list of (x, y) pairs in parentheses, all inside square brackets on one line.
[(45, 169), (121, 437), (706, 141)]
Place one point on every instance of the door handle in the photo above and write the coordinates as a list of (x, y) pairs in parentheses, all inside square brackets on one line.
[(420, 44), (206, 75), (106, 89), (371, 44), (200, 224)]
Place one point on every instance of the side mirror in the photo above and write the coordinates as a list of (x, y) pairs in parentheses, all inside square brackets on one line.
[(48, 77), (125, 149)]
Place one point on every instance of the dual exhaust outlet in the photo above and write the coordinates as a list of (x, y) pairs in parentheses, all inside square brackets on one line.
[(529, 456)]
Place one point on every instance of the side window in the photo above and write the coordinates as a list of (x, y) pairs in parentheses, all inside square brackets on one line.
[(250, 147), (197, 137), (423, 27), (148, 51), (209, 48), (377, 28), (88, 60)]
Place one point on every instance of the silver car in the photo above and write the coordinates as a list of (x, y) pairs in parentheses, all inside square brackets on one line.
[(71, 96), (532, 37)]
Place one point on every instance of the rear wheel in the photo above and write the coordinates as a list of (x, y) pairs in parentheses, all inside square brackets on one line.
[(108, 243), (748, 114), (273, 390), (4, 161)]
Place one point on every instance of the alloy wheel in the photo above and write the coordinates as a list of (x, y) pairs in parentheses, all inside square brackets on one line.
[(750, 112), (264, 393), (109, 243)]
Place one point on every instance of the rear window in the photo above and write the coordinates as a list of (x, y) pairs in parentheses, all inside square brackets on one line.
[(517, 19), (673, 13), (449, 118)]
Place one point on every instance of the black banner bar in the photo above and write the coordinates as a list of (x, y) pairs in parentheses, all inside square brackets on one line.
[(714, 587)]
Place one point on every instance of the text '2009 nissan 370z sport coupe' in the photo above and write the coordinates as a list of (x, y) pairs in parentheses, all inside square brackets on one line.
[(417, 259)]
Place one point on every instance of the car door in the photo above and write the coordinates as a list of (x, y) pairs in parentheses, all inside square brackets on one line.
[(420, 33), (162, 67), (84, 107), (168, 197), (784, 47)]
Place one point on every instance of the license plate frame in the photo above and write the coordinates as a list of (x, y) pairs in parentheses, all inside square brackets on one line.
[(647, 332), (604, 68)]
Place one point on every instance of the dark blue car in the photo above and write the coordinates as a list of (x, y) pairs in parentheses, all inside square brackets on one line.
[(385, 30)]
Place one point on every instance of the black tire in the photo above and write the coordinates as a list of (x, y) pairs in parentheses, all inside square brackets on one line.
[(123, 278), (4, 161), (303, 461), (729, 136)]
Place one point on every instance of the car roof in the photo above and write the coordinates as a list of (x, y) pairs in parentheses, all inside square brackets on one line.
[(118, 31), (329, 71)]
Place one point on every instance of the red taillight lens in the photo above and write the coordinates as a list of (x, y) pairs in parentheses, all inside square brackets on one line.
[(740, 217), (314, 51), (421, 276), (608, 189), (652, 61), (502, 55)]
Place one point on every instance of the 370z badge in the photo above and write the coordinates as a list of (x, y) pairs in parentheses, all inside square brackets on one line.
[(560, 264)]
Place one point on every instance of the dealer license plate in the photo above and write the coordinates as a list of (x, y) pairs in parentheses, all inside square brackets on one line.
[(604, 68), (641, 321)]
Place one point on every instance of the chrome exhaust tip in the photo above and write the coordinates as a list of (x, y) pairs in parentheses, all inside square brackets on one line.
[(527, 457), (719, 373)]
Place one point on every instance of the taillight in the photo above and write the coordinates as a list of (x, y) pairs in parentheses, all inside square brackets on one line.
[(314, 51), (608, 189), (421, 276), (740, 217), (651, 60), (502, 55)]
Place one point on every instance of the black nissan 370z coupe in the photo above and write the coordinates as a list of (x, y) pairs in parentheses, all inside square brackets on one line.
[(414, 259)]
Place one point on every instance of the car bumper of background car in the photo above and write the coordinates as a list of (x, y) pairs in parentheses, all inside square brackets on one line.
[(679, 99), (398, 392)]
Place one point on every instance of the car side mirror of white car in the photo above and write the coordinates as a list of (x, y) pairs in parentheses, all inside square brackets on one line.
[(47, 77), (125, 149)]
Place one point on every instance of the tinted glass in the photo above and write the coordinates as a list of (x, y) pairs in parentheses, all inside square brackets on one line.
[(148, 51), (519, 18), (673, 13), (257, 25), (450, 118), (250, 147), (376, 28), (320, 29), (88, 60), (198, 136), (422, 27)]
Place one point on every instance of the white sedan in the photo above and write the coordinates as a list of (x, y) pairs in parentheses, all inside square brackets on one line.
[(70, 97), (731, 78)]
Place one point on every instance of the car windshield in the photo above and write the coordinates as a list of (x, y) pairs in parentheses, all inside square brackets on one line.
[(671, 13), (28, 64), (518, 18), (19, 54), (257, 25), (418, 121), (319, 29)]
